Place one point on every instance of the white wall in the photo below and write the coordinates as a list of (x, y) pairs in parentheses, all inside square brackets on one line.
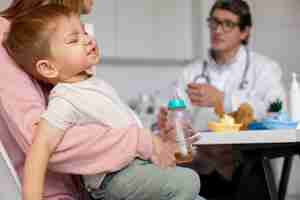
[(144, 29), (276, 32), (149, 41), (133, 80), (4, 4)]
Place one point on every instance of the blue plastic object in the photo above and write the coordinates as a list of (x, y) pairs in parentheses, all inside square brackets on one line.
[(273, 124), (176, 104), (256, 126), (279, 121)]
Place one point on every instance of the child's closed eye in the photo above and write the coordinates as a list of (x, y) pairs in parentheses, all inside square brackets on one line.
[(72, 40)]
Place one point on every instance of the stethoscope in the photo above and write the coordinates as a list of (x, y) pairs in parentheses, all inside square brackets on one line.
[(205, 76)]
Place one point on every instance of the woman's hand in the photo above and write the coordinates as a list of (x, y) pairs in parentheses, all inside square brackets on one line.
[(204, 95)]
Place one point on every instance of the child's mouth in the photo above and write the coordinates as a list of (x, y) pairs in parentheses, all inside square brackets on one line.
[(92, 51)]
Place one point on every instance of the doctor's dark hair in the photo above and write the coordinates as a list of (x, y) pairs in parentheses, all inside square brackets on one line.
[(28, 40), (239, 8)]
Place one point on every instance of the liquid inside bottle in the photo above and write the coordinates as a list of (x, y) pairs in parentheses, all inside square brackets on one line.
[(178, 118)]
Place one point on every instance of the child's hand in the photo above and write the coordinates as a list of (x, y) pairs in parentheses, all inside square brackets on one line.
[(163, 152), (168, 133), (162, 118), (191, 134)]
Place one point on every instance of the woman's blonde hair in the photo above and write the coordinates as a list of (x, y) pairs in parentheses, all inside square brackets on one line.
[(18, 7)]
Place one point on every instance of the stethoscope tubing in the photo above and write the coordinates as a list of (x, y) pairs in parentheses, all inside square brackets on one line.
[(204, 74)]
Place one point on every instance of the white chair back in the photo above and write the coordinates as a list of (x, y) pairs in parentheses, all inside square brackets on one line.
[(10, 187)]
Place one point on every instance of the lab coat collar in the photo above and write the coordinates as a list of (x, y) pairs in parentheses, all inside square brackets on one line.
[(239, 57)]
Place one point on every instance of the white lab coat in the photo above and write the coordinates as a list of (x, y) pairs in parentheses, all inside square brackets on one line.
[(264, 81), (264, 86)]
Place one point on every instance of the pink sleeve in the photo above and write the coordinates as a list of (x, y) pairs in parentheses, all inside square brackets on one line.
[(84, 150)]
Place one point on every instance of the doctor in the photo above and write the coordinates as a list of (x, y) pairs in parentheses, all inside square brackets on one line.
[(233, 74)]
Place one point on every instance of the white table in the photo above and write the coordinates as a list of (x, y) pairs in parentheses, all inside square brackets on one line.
[(249, 137), (262, 145)]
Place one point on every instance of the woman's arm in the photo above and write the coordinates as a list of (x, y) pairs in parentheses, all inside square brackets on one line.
[(37, 159)]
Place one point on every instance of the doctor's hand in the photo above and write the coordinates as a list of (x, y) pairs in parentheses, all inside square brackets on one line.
[(204, 95)]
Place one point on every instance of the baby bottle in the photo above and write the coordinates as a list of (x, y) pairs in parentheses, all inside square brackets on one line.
[(178, 117)]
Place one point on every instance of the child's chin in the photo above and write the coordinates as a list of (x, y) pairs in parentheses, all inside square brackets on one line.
[(97, 60)]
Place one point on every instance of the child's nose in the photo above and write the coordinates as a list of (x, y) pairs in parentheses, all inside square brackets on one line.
[(87, 39)]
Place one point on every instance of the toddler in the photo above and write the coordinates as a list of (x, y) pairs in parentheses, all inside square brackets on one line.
[(51, 45)]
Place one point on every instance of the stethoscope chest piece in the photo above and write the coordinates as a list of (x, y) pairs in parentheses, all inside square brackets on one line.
[(243, 84), (204, 76)]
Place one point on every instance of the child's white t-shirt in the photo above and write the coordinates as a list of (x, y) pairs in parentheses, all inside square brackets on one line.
[(88, 101)]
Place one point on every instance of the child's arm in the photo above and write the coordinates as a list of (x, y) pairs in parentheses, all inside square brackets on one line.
[(44, 143)]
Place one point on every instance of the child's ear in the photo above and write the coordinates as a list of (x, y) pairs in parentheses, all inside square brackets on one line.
[(46, 69)]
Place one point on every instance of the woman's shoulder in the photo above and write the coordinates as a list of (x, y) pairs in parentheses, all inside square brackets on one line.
[(4, 24)]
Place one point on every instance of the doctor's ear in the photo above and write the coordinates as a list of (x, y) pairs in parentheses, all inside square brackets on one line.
[(46, 69), (245, 34)]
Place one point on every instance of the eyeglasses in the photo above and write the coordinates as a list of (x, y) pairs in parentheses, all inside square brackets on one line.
[(227, 25)]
